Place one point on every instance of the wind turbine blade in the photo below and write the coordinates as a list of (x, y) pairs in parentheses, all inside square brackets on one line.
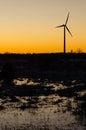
[(67, 18), (60, 26), (68, 30)]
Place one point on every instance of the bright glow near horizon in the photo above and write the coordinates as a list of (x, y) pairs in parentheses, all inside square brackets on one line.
[(28, 26)]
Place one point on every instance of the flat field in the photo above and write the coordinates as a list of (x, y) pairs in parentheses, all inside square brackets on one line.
[(43, 91)]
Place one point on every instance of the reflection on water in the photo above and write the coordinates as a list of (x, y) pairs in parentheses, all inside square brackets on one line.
[(55, 107)]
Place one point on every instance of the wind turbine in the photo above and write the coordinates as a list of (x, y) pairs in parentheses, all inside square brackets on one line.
[(65, 28)]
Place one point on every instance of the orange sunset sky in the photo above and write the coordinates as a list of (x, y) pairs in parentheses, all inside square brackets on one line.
[(28, 26)]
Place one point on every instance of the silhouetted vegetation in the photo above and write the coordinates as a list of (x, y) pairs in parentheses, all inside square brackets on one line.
[(54, 66), (7, 73)]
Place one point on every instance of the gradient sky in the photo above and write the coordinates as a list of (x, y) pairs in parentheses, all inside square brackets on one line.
[(28, 26)]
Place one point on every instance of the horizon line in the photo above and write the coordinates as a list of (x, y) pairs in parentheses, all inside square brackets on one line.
[(9, 53)]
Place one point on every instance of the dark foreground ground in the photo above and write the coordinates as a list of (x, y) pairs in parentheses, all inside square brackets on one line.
[(50, 86), (51, 66)]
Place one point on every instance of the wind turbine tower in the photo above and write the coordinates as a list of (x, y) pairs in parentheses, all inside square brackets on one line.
[(65, 28)]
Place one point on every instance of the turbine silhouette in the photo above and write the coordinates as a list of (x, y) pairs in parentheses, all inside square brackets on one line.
[(65, 28)]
